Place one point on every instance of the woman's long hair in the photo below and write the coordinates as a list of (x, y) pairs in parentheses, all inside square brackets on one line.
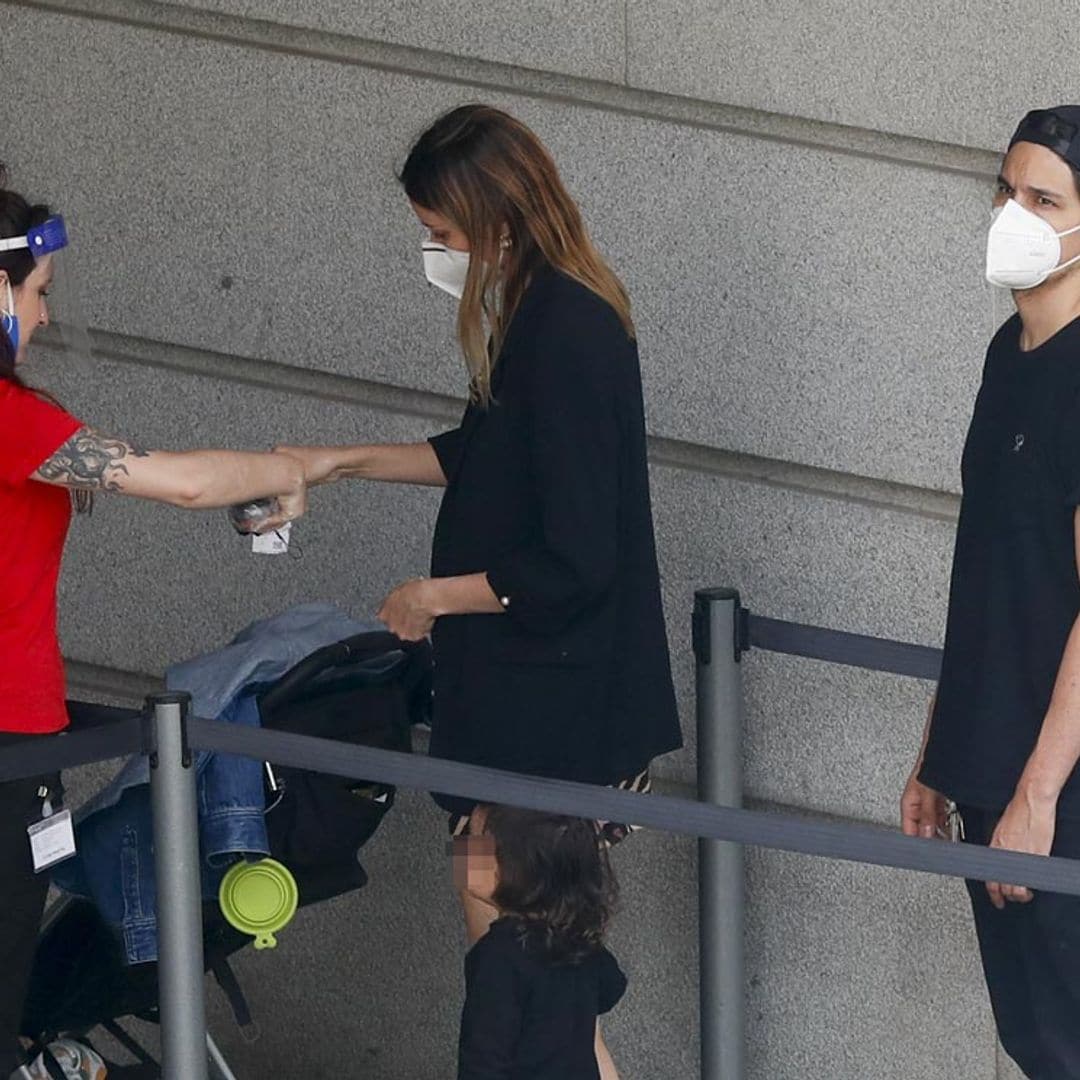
[(554, 878), (493, 178), (17, 217)]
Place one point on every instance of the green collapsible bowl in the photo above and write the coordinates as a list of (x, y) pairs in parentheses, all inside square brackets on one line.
[(259, 898)]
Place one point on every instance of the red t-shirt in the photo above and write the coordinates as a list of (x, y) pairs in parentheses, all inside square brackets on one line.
[(35, 519)]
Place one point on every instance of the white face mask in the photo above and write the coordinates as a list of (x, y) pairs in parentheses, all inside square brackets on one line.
[(1022, 250), (446, 268)]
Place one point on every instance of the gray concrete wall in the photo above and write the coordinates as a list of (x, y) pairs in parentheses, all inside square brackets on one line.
[(795, 196)]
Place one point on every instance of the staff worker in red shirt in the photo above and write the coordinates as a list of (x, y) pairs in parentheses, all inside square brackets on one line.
[(49, 461)]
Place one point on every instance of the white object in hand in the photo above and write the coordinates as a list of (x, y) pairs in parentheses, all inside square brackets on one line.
[(275, 542)]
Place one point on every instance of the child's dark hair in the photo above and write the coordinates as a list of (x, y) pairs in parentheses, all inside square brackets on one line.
[(554, 876)]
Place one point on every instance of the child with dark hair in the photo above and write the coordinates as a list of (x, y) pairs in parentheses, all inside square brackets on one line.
[(537, 981)]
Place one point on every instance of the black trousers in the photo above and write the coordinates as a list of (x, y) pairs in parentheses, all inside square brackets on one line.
[(1031, 959), (22, 899)]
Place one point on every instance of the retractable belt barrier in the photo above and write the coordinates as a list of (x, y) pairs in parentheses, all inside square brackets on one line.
[(120, 737), (687, 817), (839, 647), (723, 631)]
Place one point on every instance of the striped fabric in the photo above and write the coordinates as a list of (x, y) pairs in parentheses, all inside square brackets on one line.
[(611, 832)]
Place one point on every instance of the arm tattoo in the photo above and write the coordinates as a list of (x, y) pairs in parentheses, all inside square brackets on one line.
[(90, 461)]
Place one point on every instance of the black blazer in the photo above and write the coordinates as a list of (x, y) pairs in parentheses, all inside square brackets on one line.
[(548, 493)]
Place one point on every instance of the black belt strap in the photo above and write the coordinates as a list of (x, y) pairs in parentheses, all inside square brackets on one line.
[(40, 755), (784, 832), (838, 647)]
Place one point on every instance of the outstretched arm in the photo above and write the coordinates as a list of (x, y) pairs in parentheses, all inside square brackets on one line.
[(402, 463), (196, 479)]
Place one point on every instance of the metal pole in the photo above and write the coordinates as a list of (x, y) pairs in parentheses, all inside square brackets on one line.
[(179, 895), (717, 650), (218, 1060)]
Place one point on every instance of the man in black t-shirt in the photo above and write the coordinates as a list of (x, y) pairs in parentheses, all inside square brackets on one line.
[(1003, 736)]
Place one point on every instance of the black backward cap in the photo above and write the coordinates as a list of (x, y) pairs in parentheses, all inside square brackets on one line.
[(1058, 129)]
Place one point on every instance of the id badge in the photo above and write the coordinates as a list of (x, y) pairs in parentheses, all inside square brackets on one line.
[(52, 840)]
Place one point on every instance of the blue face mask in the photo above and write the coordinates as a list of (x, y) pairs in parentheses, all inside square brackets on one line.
[(10, 321)]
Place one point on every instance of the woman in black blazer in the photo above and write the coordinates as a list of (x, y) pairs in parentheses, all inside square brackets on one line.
[(543, 604)]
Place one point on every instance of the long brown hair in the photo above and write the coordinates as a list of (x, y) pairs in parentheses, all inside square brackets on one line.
[(495, 180)]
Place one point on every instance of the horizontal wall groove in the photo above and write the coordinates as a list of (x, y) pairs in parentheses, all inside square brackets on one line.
[(507, 78), (806, 479), (445, 409), (283, 378)]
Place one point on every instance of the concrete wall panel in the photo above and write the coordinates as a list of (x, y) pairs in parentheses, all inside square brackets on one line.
[(553, 35), (791, 301), (935, 71)]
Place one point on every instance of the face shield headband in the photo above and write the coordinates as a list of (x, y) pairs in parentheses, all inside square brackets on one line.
[(51, 235)]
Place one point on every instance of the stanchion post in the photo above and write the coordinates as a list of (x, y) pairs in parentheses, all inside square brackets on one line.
[(179, 894), (718, 647)]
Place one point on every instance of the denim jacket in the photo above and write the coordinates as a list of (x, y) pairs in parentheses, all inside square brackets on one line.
[(114, 863)]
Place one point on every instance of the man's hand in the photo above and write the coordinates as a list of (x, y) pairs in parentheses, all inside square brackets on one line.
[(922, 809), (1028, 826), (410, 610)]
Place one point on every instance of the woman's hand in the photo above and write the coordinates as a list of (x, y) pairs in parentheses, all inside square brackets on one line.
[(922, 809), (292, 501), (410, 610), (320, 462), (1028, 826), (291, 505)]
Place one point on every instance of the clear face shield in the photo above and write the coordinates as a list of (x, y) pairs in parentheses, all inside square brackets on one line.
[(67, 332)]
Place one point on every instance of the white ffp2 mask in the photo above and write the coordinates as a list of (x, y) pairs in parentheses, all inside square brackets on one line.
[(446, 268), (1022, 250)]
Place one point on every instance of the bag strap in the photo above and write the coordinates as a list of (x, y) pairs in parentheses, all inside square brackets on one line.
[(128, 1042), (52, 1066), (226, 978)]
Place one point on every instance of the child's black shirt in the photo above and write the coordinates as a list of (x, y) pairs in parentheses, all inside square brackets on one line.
[(528, 1018)]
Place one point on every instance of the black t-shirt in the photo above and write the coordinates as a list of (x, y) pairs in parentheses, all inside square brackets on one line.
[(1015, 593), (527, 1018)]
